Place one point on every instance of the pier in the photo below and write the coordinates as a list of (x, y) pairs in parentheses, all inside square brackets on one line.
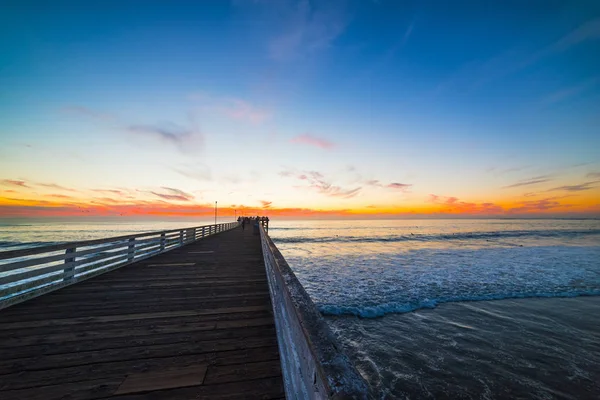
[(204, 312)]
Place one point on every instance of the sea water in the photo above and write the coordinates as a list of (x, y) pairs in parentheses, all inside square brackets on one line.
[(458, 308)]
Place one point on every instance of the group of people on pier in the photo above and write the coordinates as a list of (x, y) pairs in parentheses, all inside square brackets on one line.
[(254, 221)]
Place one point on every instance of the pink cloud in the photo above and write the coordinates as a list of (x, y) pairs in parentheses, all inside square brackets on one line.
[(313, 141), (454, 205), (401, 186), (173, 194), (13, 182)]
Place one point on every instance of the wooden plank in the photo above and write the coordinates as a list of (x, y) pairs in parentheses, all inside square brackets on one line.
[(171, 265), (242, 372), (17, 354), (134, 332), (129, 317), (166, 379), (44, 377)]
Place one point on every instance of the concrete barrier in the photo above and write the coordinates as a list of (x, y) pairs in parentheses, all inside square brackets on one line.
[(313, 364)]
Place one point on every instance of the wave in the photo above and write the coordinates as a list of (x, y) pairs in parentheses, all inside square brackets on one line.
[(441, 236), (380, 310)]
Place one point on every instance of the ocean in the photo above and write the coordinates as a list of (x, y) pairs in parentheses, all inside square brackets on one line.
[(441, 309), (458, 309)]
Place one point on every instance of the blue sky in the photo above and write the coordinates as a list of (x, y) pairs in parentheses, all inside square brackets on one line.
[(237, 99)]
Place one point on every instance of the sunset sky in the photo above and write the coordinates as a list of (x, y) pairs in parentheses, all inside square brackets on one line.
[(300, 108)]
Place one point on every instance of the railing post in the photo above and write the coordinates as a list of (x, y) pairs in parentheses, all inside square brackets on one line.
[(181, 237), (194, 235), (203, 231), (69, 267), (163, 239), (131, 251)]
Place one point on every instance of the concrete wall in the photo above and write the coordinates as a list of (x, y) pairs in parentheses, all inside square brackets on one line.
[(312, 362)]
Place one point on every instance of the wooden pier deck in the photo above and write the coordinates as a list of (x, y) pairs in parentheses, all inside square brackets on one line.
[(192, 323)]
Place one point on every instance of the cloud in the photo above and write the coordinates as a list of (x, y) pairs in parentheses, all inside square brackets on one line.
[(593, 175), (396, 185), (317, 182), (60, 196), (537, 206), (184, 139), (569, 92), (88, 112), (198, 171), (585, 31), (113, 191), (452, 205), (306, 28), (55, 186), (173, 194), (531, 181), (393, 185), (313, 141), (242, 110), (13, 182), (231, 107), (266, 204), (576, 188)]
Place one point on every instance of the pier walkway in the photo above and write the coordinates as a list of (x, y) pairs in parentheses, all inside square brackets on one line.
[(192, 323)]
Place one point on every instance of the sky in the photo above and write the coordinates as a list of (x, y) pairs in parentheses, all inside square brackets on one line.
[(300, 109)]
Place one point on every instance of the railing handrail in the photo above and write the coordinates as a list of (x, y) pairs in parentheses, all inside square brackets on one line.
[(31, 272), (30, 251), (338, 375)]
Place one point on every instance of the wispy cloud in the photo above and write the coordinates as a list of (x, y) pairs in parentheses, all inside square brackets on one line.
[(593, 175), (452, 205), (317, 181), (306, 28), (55, 186), (13, 182), (88, 112), (537, 206), (242, 110), (198, 171), (570, 92), (401, 186), (393, 185), (266, 204), (310, 140), (576, 188), (185, 139), (173, 194), (231, 107), (531, 181)]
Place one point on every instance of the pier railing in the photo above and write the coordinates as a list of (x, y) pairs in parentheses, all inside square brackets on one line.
[(312, 363), (30, 272)]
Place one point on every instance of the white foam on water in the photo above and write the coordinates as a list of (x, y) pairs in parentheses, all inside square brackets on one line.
[(372, 286)]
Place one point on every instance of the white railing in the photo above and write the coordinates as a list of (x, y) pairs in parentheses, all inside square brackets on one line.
[(30, 272), (312, 362)]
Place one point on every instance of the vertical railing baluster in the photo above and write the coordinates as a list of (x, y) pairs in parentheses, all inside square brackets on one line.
[(131, 250), (194, 235), (163, 239), (69, 273), (181, 237)]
